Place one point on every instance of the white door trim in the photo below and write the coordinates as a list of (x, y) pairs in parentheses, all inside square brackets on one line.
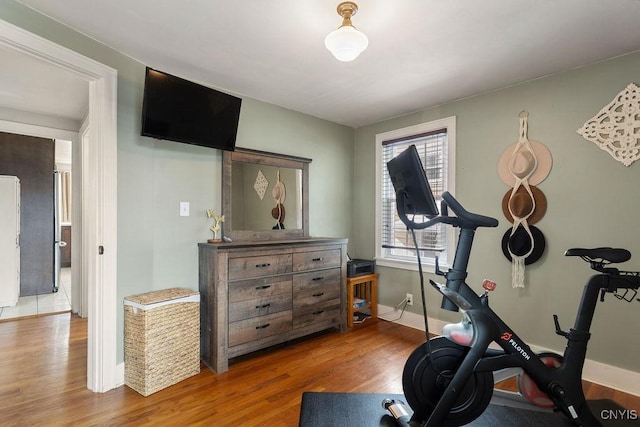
[(79, 299), (101, 206)]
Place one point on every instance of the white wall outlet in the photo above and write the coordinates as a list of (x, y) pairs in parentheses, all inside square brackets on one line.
[(409, 299), (184, 208)]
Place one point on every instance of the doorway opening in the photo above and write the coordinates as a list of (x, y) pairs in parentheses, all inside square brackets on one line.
[(99, 208)]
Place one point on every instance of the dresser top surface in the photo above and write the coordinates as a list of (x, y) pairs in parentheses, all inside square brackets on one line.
[(276, 243)]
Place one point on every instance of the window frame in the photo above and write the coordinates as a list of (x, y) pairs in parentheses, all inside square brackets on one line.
[(428, 264)]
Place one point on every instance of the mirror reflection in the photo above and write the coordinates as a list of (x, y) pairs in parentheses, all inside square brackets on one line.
[(266, 197)]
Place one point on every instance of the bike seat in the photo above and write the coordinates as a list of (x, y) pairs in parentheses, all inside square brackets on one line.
[(611, 255)]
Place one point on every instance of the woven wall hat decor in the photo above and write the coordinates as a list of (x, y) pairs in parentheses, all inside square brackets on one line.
[(279, 194), (615, 128), (519, 155), (521, 204), (520, 243), (522, 166), (278, 213)]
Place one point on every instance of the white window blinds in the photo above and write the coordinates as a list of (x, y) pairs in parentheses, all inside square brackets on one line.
[(397, 242)]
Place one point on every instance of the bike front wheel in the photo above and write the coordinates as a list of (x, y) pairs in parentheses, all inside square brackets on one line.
[(427, 374)]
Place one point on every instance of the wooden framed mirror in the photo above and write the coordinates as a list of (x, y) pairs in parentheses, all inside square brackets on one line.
[(249, 191)]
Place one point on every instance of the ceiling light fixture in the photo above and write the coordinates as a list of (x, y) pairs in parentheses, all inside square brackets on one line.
[(346, 43)]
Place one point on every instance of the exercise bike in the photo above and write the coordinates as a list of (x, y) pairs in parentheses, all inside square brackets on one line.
[(449, 380)]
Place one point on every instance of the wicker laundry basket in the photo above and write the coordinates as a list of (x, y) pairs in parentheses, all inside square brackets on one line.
[(161, 339)]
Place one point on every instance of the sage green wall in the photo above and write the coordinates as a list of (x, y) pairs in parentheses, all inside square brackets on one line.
[(592, 201), (157, 248)]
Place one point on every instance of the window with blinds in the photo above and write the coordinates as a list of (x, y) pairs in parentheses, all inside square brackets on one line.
[(396, 242)]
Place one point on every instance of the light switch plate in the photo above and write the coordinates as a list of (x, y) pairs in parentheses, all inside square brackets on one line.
[(184, 208)]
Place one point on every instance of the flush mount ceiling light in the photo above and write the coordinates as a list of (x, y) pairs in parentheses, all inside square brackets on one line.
[(346, 43)]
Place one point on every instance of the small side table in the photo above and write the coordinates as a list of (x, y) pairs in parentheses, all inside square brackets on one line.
[(366, 289)]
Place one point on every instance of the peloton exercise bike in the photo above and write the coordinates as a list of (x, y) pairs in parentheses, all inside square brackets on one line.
[(449, 380)]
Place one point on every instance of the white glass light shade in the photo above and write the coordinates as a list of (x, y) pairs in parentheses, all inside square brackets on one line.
[(346, 43)]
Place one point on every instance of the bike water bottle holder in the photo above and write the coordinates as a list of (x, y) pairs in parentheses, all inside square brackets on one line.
[(630, 281), (629, 295)]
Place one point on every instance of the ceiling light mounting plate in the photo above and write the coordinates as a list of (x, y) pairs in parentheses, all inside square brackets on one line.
[(347, 9)]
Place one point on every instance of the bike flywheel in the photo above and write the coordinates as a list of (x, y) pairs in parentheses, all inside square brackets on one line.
[(426, 375)]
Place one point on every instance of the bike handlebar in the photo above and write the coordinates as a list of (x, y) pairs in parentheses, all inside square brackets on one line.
[(463, 218), (468, 219)]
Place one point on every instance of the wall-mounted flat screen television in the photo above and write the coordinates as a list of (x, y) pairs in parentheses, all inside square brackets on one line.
[(179, 110)]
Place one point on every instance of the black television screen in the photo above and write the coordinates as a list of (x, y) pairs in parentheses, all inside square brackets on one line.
[(407, 175), (179, 110)]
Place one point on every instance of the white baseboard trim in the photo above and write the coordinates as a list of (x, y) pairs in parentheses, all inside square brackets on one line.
[(596, 372), (119, 374)]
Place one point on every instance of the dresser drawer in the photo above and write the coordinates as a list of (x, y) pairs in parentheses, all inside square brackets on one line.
[(313, 288), (248, 330), (304, 261), (314, 279), (326, 310), (258, 266), (315, 295), (260, 288), (259, 307)]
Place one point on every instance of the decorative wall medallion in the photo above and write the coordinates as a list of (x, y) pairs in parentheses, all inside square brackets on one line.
[(260, 185), (616, 128)]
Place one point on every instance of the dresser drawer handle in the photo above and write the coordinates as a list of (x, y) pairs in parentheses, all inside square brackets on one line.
[(318, 259), (263, 326), (315, 279), (263, 287), (315, 313), (265, 265), (262, 306), (319, 294)]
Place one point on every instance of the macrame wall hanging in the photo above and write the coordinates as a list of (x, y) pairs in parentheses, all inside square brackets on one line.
[(615, 128), (279, 194), (522, 166)]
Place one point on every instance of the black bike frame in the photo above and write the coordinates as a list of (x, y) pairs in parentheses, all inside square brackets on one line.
[(562, 384)]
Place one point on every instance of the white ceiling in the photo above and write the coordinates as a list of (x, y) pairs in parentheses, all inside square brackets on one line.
[(421, 52)]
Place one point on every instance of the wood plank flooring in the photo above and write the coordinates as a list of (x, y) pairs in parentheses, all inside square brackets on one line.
[(43, 378)]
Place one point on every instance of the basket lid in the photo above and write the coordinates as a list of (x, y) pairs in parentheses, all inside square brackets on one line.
[(160, 296)]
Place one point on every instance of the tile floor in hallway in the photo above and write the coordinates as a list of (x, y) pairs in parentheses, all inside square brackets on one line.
[(42, 304)]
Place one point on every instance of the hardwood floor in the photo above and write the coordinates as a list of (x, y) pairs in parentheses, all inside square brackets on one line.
[(43, 378)]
